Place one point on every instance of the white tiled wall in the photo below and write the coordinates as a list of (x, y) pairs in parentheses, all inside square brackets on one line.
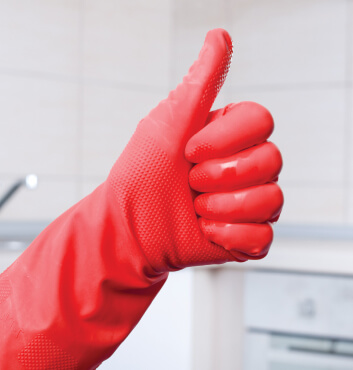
[(349, 41), (76, 77), (127, 41), (110, 117), (39, 126), (40, 37), (288, 42), (349, 144)]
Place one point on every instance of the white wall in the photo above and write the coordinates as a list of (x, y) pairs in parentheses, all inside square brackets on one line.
[(75, 78)]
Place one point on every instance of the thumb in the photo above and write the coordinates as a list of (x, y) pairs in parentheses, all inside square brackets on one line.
[(208, 73), (187, 107)]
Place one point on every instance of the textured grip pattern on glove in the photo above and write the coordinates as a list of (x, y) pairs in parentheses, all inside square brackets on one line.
[(217, 80), (203, 203), (159, 208), (5, 288), (214, 85), (41, 353), (198, 152)]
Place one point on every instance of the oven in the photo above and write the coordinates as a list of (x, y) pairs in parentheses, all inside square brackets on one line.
[(298, 321)]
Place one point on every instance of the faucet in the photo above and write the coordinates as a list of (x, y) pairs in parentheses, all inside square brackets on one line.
[(30, 182)]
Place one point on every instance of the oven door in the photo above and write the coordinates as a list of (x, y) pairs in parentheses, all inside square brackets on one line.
[(273, 351)]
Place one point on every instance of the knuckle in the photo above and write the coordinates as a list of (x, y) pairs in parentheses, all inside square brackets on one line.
[(263, 115)]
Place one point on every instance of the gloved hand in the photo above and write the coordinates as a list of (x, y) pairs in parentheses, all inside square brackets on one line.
[(150, 179), (75, 294)]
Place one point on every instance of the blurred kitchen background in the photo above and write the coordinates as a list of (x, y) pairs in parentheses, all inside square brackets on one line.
[(76, 76)]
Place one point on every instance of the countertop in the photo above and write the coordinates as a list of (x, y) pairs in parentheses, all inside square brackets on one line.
[(302, 248)]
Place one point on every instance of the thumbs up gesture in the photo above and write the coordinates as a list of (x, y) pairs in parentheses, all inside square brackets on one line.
[(199, 187)]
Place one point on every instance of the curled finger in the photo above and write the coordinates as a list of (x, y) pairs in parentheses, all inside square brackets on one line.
[(250, 240)]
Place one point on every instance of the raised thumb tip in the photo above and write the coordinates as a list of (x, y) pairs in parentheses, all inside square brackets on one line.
[(219, 34)]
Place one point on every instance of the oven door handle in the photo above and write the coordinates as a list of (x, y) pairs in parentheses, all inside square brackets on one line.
[(291, 357)]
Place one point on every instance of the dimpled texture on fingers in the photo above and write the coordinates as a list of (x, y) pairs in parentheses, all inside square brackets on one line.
[(254, 204), (254, 166), (237, 127)]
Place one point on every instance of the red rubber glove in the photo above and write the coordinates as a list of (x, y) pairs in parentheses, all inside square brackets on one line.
[(80, 288)]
